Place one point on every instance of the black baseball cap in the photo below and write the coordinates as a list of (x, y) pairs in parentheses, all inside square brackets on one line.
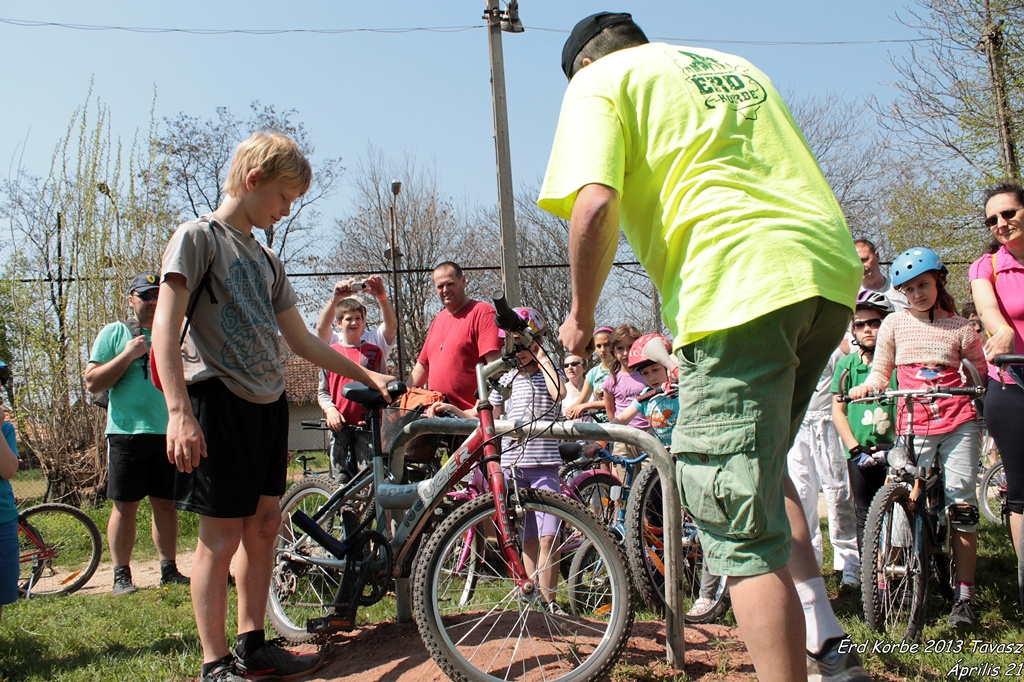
[(145, 282), (585, 31)]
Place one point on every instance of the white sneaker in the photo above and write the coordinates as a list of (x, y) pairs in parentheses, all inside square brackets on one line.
[(851, 576), (700, 607)]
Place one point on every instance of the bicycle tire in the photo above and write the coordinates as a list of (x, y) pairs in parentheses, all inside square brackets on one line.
[(893, 573), (645, 552), (990, 497), (594, 493), (476, 642), (70, 552), (300, 591)]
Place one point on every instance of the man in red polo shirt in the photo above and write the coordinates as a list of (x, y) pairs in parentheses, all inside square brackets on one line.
[(462, 334)]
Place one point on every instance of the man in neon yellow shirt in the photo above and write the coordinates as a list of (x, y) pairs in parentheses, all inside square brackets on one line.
[(729, 213)]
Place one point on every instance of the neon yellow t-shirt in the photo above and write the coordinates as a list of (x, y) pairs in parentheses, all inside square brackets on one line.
[(720, 196)]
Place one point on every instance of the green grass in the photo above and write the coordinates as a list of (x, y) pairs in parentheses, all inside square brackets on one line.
[(151, 635)]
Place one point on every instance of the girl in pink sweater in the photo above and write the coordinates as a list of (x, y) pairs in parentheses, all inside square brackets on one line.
[(926, 345)]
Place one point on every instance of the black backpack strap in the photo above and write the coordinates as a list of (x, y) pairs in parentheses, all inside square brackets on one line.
[(204, 283)]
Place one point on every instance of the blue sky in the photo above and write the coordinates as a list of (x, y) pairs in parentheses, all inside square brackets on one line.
[(423, 93)]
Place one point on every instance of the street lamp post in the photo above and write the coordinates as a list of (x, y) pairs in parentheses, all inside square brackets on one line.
[(394, 254)]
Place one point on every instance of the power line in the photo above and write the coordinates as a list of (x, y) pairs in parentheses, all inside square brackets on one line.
[(25, 23)]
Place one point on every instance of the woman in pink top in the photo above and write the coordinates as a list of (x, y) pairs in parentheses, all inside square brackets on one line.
[(997, 284), (926, 346)]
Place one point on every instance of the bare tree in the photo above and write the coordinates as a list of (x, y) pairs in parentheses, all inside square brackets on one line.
[(197, 154), (431, 228)]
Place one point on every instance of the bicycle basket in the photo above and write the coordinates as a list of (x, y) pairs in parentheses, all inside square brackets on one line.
[(421, 449)]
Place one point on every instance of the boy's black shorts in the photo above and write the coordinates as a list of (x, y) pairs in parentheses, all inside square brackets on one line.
[(137, 466), (247, 453)]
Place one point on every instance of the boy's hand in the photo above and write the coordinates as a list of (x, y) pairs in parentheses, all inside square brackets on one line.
[(343, 288), (380, 382), (375, 287), (858, 392), (186, 444), (436, 409), (334, 419)]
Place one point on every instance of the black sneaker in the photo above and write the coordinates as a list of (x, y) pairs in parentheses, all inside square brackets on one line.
[(174, 577), (123, 581), (271, 662), (962, 615), (839, 667), (224, 672)]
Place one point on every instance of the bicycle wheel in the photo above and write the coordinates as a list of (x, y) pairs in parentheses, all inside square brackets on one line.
[(645, 550), (595, 493), (992, 492), (893, 574), (504, 634), (300, 589), (60, 549)]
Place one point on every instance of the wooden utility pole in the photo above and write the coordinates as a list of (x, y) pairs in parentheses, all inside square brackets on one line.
[(503, 158)]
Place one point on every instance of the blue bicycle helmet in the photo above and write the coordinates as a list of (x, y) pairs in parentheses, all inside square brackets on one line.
[(914, 262)]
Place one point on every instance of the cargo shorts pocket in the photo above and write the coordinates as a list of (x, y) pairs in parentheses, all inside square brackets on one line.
[(719, 477)]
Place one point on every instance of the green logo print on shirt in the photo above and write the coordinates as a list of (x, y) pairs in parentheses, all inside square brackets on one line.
[(723, 84)]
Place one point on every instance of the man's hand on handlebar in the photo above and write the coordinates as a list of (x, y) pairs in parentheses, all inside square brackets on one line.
[(334, 419)]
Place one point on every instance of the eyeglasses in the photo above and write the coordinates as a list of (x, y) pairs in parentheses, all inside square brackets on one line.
[(1005, 215), (873, 323), (147, 295), (572, 364)]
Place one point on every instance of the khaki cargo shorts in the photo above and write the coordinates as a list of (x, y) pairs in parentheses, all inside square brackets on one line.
[(742, 395)]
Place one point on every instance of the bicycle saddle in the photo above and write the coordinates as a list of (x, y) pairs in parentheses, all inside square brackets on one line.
[(370, 398), (570, 450)]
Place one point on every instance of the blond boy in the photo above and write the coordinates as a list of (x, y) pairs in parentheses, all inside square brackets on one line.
[(228, 420)]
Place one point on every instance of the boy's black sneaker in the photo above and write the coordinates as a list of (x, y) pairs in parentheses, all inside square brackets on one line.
[(224, 671), (123, 581), (271, 662)]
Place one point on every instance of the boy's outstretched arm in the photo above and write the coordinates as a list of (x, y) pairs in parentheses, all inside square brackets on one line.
[(375, 287), (625, 416), (307, 346), (186, 444)]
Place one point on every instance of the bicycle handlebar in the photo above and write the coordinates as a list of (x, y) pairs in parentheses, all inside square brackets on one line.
[(320, 424), (923, 393), (1008, 359)]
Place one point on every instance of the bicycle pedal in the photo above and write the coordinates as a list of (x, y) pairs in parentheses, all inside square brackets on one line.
[(329, 624)]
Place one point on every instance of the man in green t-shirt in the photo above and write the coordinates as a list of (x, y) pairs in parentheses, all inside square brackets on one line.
[(137, 463), (698, 158)]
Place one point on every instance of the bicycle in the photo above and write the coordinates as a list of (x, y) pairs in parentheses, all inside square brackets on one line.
[(502, 628), (645, 550), (992, 493), (908, 534), (60, 548)]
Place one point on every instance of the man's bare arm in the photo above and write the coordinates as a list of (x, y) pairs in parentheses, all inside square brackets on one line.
[(99, 376), (593, 238)]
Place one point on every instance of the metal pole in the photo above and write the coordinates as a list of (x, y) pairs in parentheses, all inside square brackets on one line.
[(396, 187), (506, 207)]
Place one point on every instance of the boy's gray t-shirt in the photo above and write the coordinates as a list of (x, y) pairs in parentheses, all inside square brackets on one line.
[(235, 339)]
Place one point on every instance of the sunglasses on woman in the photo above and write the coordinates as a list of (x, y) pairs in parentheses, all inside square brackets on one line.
[(572, 364), (1006, 215), (861, 324)]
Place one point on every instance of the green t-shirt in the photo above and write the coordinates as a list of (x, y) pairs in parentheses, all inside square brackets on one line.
[(136, 406), (870, 423), (720, 196)]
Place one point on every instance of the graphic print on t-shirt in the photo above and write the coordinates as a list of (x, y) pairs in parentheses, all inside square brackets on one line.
[(247, 319), (723, 84)]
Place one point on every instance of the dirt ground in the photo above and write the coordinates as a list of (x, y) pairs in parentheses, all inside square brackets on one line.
[(394, 652)]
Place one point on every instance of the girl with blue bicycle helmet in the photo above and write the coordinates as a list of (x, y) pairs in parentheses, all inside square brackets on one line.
[(925, 346)]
